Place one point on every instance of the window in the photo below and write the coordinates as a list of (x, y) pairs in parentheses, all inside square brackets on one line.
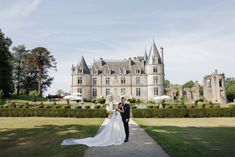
[(107, 92), (108, 71), (123, 80), (155, 69), (123, 91), (80, 70), (94, 92), (107, 81), (137, 81), (220, 83), (95, 71), (94, 81), (155, 91), (155, 79), (80, 90), (137, 91), (209, 83), (79, 80), (138, 71)]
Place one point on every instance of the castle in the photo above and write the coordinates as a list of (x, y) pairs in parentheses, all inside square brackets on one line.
[(141, 77)]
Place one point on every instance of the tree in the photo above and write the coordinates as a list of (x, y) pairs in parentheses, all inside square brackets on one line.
[(6, 82), (19, 73), (230, 88), (188, 84), (41, 60), (167, 83)]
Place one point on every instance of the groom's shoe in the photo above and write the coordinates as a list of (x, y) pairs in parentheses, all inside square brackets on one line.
[(126, 140)]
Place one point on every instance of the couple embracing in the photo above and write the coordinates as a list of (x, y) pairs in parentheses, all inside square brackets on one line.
[(116, 132)]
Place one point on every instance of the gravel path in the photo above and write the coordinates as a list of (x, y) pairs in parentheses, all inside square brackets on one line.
[(140, 145)]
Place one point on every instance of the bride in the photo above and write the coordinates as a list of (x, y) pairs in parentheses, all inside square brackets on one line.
[(112, 134)]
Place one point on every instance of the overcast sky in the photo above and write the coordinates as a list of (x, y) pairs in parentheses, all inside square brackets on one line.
[(198, 36)]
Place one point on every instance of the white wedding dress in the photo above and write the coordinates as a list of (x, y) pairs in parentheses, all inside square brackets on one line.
[(112, 134)]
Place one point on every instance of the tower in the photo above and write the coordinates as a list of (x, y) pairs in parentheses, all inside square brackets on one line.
[(81, 79), (154, 70)]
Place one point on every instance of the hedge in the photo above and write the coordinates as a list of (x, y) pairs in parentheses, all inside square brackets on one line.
[(42, 112), (183, 112)]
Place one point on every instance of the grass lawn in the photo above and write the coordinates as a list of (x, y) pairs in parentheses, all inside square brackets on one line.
[(34, 137), (192, 137)]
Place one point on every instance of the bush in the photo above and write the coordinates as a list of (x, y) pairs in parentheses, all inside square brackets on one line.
[(190, 106), (97, 106), (86, 100), (231, 105), (66, 106), (133, 107), (57, 106), (87, 107), (101, 100), (200, 104), (150, 106), (132, 100), (182, 112), (42, 112), (78, 107)]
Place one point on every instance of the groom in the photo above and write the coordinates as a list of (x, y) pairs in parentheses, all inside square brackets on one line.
[(126, 117)]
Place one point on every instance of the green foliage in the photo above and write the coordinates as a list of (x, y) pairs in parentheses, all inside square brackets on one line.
[(19, 72), (1, 94), (6, 67), (86, 100), (97, 106), (167, 83), (230, 89), (188, 84), (41, 61), (200, 104), (41, 112), (132, 100), (183, 112), (87, 107), (34, 94), (101, 100)]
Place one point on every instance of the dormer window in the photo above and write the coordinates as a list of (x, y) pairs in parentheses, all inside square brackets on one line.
[(123, 71), (108, 71), (138, 71), (80, 71), (95, 71)]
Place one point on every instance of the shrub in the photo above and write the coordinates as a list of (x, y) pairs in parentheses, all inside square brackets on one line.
[(86, 100), (200, 104), (182, 112), (42, 112), (101, 100), (87, 107), (133, 107), (57, 106), (150, 106), (26, 105), (66, 106), (208, 106), (150, 102), (97, 106), (78, 107), (132, 100), (190, 106)]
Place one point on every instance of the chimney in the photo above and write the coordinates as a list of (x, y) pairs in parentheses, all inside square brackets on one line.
[(162, 54)]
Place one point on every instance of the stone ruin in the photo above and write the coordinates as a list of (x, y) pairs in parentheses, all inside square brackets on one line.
[(191, 94), (214, 88)]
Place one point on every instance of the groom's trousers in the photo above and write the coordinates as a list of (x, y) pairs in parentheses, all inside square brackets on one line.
[(126, 126)]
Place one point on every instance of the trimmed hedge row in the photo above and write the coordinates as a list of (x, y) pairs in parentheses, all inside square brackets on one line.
[(181, 113), (42, 112)]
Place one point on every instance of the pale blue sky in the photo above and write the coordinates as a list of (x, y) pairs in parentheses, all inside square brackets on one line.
[(197, 36)]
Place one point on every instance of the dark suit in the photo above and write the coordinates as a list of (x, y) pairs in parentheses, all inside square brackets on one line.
[(125, 116)]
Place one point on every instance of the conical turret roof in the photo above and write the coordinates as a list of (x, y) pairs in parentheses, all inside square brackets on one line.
[(84, 66), (154, 56)]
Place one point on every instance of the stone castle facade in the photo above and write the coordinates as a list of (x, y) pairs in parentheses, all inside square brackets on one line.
[(140, 77)]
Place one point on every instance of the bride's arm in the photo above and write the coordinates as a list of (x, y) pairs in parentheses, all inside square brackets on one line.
[(120, 110)]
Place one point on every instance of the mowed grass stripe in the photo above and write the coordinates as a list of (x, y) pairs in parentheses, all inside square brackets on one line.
[(194, 137), (26, 137)]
